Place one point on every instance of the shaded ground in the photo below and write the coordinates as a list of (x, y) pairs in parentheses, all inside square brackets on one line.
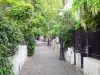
[(45, 61)]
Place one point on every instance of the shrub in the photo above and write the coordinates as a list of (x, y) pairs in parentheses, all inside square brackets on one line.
[(14, 19), (10, 37), (5, 67), (31, 44)]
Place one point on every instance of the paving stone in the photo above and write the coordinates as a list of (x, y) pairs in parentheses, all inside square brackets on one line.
[(46, 61)]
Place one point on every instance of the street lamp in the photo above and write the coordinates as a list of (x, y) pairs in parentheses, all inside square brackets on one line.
[(62, 57)]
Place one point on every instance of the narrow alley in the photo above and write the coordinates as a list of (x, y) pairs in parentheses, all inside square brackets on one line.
[(46, 61)]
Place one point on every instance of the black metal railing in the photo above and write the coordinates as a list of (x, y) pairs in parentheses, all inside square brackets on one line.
[(94, 44), (87, 43)]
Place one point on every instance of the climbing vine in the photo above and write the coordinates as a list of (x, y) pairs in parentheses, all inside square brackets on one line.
[(89, 13)]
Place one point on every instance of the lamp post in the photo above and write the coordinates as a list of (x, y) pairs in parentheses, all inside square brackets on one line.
[(61, 57)]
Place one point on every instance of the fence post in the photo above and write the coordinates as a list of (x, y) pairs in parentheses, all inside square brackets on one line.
[(74, 46), (87, 45)]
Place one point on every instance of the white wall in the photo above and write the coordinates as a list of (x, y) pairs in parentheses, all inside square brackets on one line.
[(55, 45), (69, 55), (19, 59), (91, 66), (68, 5), (78, 60)]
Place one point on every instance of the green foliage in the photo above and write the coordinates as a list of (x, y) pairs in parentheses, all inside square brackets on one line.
[(23, 15), (37, 5), (38, 21), (89, 10), (15, 21), (20, 12), (10, 37), (50, 7), (5, 67), (55, 29), (65, 26), (19, 23), (37, 31), (77, 4), (77, 25), (46, 11), (31, 44)]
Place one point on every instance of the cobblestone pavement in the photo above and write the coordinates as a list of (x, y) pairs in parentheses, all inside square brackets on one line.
[(46, 61)]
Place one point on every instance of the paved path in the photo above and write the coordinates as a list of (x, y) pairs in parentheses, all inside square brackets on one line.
[(45, 61)]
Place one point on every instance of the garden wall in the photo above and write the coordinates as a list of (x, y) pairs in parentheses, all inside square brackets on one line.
[(55, 45), (19, 58), (91, 66), (69, 55), (78, 60)]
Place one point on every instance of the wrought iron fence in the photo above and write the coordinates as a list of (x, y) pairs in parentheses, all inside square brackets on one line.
[(94, 44), (87, 43)]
